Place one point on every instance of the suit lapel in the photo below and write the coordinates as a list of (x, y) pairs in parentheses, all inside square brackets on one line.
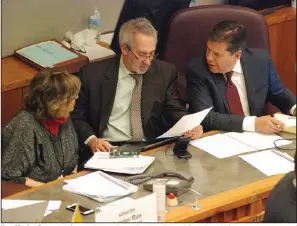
[(248, 66), (108, 90), (221, 85), (147, 94)]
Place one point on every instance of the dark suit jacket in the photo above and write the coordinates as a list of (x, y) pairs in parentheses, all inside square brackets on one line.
[(206, 89), (158, 12), (159, 98)]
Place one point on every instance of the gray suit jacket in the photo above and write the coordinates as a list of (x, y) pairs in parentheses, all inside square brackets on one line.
[(206, 89)]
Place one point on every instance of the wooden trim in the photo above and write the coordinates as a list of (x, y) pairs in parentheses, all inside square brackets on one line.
[(225, 201), (281, 15)]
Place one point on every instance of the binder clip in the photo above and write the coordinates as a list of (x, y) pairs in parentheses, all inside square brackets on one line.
[(119, 152)]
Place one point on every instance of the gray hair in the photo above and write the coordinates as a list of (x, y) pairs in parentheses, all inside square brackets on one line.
[(140, 25)]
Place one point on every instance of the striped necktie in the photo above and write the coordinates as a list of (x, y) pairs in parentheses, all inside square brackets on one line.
[(135, 108)]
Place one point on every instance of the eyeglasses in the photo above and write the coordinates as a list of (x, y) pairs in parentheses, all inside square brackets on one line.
[(143, 58), (77, 48)]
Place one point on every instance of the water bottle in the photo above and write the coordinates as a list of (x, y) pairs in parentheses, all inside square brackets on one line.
[(159, 187), (95, 23)]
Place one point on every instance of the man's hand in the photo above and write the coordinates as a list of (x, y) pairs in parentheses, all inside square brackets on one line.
[(195, 133), (268, 125), (97, 144)]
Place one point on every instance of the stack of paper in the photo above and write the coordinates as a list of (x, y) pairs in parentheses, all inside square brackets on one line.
[(229, 144), (258, 141), (289, 121), (100, 187), (221, 145), (133, 165), (106, 38), (270, 162)]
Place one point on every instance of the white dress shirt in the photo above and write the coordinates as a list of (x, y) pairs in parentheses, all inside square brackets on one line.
[(119, 123), (239, 81)]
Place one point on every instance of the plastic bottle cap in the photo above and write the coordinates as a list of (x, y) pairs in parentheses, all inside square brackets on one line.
[(171, 195)]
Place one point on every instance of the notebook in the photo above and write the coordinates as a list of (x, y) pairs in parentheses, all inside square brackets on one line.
[(100, 187), (132, 165)]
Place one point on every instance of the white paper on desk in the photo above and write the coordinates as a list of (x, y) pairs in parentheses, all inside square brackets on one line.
[(100, 186), (14, 203), (186, 123), (221, 145), (268, 162), (52, 206), (106, 38), (286, 119), (258, 141), (133, 165), (96, 52)]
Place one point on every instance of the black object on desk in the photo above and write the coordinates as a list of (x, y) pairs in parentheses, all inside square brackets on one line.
[(180, 148)]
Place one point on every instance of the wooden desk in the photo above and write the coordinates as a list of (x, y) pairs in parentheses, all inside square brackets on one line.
[(233, 190), (282, 35)]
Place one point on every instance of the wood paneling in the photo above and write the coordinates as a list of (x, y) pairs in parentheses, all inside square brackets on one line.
[(11, 104), (282, 34), (16, 73)]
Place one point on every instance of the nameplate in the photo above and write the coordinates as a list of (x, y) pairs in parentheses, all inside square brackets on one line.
[(141, 210)]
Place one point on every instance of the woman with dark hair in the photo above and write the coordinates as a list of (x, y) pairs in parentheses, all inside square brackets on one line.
[(40, 144), (281, 203)]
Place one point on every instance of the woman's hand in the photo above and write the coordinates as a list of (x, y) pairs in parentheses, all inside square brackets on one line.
[(32, 183)]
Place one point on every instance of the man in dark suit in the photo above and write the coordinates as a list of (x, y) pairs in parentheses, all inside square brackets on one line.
[(124, 98), (158, 12), (237, 82)]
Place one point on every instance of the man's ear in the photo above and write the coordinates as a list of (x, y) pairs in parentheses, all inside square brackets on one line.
[(124, 49), (238, 54)]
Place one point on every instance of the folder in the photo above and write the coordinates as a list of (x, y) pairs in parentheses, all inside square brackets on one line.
[(52, 53)]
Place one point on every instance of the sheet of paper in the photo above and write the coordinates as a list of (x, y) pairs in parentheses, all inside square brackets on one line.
[(15, 203), (52, 206), (106, 38), (100, 186), (96, 52), (134, 165), (268, 162), (257, 140), (286, 119), (186, 123), (28, 213), (221, 145)]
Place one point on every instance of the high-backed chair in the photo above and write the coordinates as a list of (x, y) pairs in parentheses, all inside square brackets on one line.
[(188, 30)]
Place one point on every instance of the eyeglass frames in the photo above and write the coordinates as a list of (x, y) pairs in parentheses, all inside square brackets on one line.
[(143, 58)]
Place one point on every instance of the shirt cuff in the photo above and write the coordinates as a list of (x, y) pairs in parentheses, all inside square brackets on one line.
[(293, 109), (89, 138), (249, 123)]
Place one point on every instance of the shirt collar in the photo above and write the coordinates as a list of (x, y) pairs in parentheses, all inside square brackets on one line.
[(123, 70), (237, 68)]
